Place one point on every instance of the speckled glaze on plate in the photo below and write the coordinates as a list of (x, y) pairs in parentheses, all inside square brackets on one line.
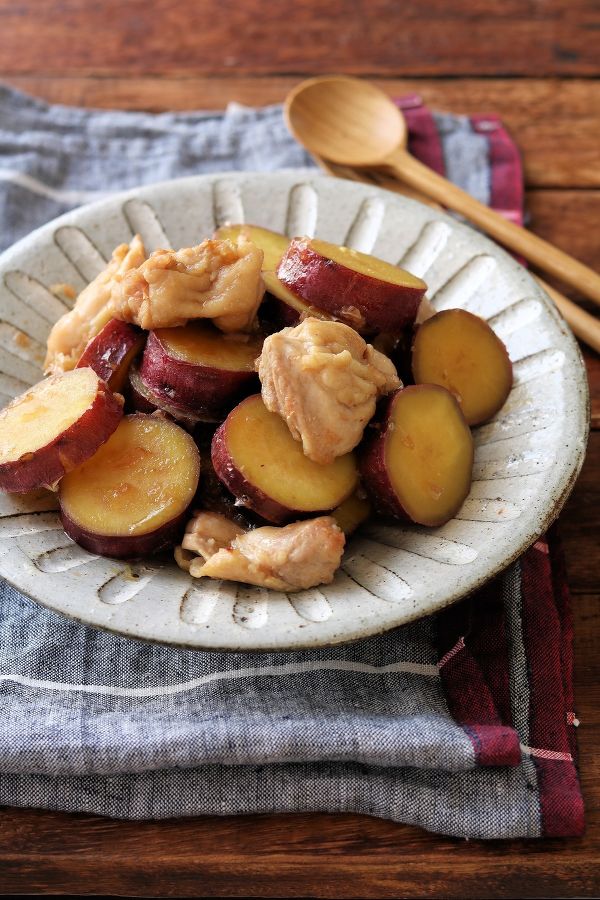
[(526, 459)]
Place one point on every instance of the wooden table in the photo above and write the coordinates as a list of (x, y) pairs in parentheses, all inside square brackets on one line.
[(536, 64)]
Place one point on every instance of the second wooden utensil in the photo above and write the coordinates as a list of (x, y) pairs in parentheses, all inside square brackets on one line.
[(582, 323), (353, 123)]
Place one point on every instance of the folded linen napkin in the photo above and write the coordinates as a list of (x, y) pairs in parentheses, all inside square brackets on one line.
[(461, 723)]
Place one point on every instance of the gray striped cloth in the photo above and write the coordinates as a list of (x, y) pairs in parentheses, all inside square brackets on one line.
[(96, 723)]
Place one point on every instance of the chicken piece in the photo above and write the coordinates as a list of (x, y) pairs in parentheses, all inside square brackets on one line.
[(297, 556), (324, 380), (206, 533), (216, 280), (73, 331)]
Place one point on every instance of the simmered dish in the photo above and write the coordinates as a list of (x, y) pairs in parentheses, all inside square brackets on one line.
[(241, 404)]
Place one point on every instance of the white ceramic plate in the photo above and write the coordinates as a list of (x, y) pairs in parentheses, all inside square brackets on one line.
[(526, 460)]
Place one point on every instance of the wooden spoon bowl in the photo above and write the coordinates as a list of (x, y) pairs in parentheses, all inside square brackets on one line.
[(353, 123)]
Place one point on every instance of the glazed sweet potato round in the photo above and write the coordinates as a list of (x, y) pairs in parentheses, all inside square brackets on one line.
[(417, 464), (132, 496), (460, 352), (54, 427), (367, 293), (257, 459), (199, 369)]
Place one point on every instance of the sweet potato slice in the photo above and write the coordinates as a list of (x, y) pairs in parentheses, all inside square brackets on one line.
[(139, 398), (257, 459), (350, 514), (288, 308), (360, 290), (460, 352), (272, 244), (54, 427), (131, 498), (200, 370), (111, 352), (417, 463)]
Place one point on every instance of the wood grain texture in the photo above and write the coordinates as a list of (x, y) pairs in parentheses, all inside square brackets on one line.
[(556, 123), (516, 37), (180, 54)]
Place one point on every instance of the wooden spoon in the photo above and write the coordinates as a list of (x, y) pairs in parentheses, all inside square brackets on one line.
[(351, 122), (584, 325)]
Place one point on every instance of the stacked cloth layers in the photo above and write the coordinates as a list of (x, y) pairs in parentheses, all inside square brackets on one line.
[(461, 723)]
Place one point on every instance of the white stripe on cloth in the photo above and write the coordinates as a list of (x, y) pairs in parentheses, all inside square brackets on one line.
[(341, 665), (71, 197)]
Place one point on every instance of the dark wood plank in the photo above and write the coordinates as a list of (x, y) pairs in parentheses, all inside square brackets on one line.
[(563, 217), (556, 123), (580, 524), (466, 37)]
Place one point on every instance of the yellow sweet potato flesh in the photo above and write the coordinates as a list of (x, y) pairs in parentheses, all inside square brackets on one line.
[(202, 345), (140, 479), (350, 514), (278, 289), (366, 264), (263, 449), (429, 454), (272, 244), (460, 352), (36, 418)]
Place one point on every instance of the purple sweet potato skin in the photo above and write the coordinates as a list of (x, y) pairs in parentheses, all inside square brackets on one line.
[(67, 450), (126, 546), (202, 390), (346, 294)]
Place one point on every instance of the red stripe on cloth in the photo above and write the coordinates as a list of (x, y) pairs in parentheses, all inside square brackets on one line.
[(506, 180), (468, 695), (563, 605), (561, 803), (423, 138), (489, 646)]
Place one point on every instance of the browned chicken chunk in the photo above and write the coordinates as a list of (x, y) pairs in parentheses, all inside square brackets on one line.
[(298, 556), (73, 331), (216, 280), (206, 533), (324, 381)]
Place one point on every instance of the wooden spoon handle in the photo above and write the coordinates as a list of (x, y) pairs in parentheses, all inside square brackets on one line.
[(532, 247), (584, 325)]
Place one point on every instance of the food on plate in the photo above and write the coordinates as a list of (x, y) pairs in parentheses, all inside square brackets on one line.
[(213, 496), (258, 460), (459, 351), (288, 473), (53, 427), (300, 555), (324, 381), (200, 369), (216, 280), (272, 244), (140, 398), (365, 292), (205, 534), (131, 498), (417, 463), (350, 514), (287, 308), (73, 331), (111, 352)]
